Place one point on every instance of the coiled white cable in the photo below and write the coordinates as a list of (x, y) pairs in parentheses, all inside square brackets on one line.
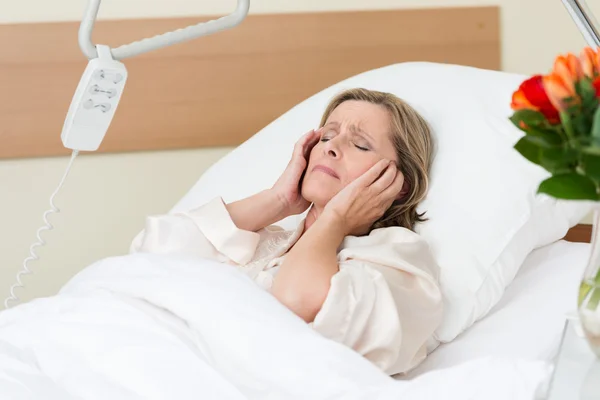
[(40, 242)]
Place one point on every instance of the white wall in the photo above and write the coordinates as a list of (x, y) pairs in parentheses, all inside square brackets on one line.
[(107, 196), (102, 206)]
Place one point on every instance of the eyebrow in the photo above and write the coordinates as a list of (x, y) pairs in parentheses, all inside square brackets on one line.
[(356, 129), (353, 128)]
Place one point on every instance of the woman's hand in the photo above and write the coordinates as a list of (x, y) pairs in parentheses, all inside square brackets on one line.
[(360, 204), (288, 187)]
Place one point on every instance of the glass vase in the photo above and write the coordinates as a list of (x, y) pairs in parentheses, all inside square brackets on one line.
[(589, 291)]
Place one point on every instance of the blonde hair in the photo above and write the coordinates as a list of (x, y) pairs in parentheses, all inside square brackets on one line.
[(412, 140)]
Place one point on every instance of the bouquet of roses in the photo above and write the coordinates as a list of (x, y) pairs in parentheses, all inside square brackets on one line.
[(560, 115)]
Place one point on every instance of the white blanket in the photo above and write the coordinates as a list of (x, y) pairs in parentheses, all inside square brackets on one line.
[(147, 326)]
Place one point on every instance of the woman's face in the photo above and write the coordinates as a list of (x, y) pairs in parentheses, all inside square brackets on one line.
[(354, 138)]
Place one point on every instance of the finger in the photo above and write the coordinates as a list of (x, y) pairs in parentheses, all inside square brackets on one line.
[(385, 180), (391, 192), (366, 179), (311, 142), (295, 170), (299, 160), (300, 145), (302, 141)]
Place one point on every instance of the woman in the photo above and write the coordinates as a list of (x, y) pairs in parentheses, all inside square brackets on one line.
[(353, 269)]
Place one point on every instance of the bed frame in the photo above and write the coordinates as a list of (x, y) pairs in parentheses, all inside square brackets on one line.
[(580, 233)]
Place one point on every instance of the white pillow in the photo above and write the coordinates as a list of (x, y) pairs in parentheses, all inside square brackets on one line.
[(484, 214), (546, 287)]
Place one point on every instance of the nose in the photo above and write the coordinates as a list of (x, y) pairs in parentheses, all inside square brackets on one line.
[(332, 148)]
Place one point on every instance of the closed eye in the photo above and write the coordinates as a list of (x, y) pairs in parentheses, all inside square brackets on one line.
[(361, 148)]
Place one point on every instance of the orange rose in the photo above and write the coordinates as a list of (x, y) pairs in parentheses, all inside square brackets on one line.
[(590, 62), (532, 96), (560, 84), (568, 68), (558, 91)]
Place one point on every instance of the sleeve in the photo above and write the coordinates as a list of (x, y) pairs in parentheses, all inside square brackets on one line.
[(207, 232), (385, 303)]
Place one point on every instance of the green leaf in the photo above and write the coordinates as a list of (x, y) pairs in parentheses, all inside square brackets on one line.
[(531, 118), (528, 149), (592, 104), (571, 108), (585, 89), (545, 138), (596, 124), (570, 186), (565, 118), (591, 165), (587, 92), (559, 161), (582, 124), (593, 150)]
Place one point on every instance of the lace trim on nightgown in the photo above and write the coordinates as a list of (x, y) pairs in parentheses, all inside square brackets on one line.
[(267, 250)]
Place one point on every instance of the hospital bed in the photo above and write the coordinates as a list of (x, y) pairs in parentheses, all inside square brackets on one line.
[(124, 328), (528, 319)]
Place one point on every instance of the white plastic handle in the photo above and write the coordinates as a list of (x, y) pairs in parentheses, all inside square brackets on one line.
[(145, 45)]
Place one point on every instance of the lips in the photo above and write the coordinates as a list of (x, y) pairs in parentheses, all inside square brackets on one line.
[(326, 170)]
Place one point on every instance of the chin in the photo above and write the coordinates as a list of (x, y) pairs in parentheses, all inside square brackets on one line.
[(317, 194)]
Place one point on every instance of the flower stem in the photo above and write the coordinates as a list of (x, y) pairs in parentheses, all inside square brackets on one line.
[(568, 125)]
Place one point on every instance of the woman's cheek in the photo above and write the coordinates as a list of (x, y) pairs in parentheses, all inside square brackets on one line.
[(357, 171)]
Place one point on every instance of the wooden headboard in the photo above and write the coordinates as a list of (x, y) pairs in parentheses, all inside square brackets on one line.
[(221, 89), (580, 233)]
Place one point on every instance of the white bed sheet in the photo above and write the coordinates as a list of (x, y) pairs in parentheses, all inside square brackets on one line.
[(528, 321), (154, 327)]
